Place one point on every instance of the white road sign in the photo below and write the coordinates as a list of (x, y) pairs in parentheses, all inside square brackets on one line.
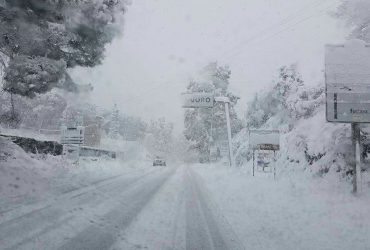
[(347, 77), (198, 100), (264, 140), (72, 135)]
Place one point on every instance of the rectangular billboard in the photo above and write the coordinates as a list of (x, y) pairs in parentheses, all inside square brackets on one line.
[(198, 100), (264, 140), (347, 78)]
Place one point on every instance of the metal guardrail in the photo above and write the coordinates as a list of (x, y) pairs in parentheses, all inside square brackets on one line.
[(96, 152)]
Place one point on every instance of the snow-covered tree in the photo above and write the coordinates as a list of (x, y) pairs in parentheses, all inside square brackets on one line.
[(40, 39), (132, 128), (356, 14), (283, 107), (205, 126), (42, 112), (160, 137), (287, 101), (27, 76)]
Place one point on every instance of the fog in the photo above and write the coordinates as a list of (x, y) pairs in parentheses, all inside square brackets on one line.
[(166, 42)]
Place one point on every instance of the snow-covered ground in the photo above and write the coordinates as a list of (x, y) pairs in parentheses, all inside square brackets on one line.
[(43, 135), (27, 178), (295, 211), (110, 204)]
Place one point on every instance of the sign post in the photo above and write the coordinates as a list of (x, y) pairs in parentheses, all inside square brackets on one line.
[(356, 146), (264, 140), (347, 79), (71, 139), (207, 100), (226, 102)]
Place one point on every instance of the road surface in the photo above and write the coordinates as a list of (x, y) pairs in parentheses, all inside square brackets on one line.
[(161, 208)]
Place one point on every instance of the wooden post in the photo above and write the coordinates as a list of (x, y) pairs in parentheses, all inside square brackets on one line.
[(227, 113), (356, 166), (253, 162), (274, 164)]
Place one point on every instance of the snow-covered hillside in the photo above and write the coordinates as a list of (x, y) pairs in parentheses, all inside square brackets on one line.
[(308, 141)]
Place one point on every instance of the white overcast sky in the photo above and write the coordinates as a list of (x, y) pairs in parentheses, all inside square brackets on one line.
[(164, 42)]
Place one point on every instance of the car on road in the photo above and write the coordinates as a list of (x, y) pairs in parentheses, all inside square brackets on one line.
[(159, 161)]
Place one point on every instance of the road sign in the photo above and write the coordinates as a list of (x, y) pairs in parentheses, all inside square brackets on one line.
[(207, 100), (347, 77), (198, 100), (272, 147), (72, 135), (264, 140)]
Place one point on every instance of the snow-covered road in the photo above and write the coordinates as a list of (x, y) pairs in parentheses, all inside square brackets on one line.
[(157, 208)]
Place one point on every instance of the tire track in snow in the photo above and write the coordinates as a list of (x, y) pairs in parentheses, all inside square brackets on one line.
[(63, 212), (206, 228), (95, 237), (27, 210)]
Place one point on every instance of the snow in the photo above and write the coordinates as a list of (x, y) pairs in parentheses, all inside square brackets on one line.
[(299, 210), (27, 178), (53, 135), (133, 150), (164, 230), (296, 211)]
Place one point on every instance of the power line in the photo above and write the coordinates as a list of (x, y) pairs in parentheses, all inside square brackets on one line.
[(263, 34), (283, 22)]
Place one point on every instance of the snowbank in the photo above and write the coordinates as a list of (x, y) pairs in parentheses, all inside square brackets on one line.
[(26, 178), (22, 175), (297, 211)]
